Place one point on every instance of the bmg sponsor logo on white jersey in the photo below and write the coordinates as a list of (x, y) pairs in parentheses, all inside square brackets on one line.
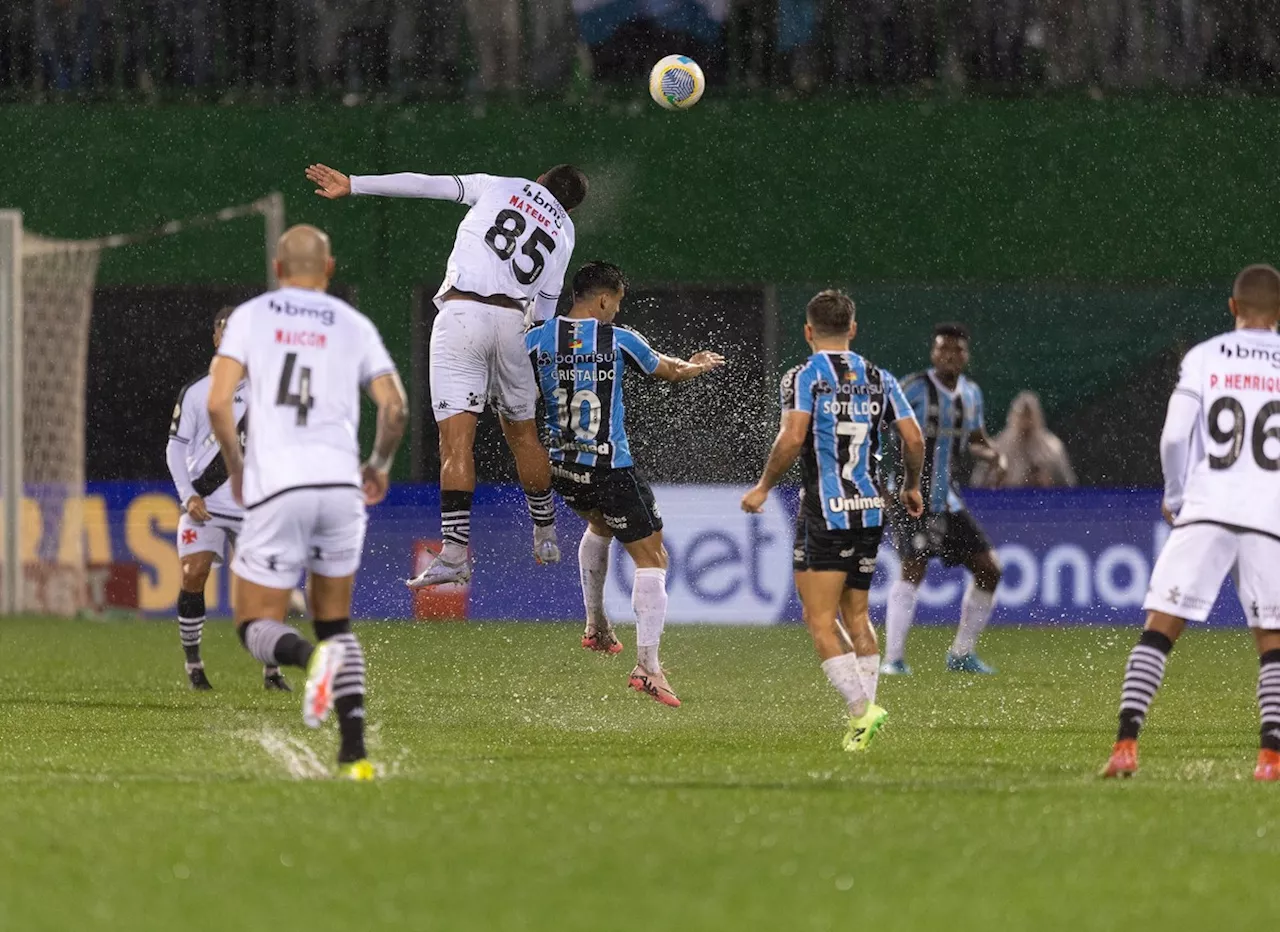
[(1251, 353)]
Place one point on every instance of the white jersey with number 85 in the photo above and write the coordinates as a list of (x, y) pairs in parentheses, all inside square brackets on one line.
[(308, 355), (1233, 467)]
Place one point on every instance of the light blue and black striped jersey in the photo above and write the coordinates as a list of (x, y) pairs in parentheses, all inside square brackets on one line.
[(579, 363), (852, 402), (947, 420)]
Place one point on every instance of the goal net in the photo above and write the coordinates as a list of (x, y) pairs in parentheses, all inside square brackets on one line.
[(46, 305)]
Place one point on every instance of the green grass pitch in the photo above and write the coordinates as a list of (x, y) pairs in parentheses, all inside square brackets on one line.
[(525, 788)]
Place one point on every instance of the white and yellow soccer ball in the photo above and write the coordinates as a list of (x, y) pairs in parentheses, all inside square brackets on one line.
[(676, 82)]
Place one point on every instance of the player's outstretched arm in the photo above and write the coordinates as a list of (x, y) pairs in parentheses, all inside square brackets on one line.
[(984, 451), (786, 447), (226, 373), (332, 184), (393, 414), (673, 369), (912, 443)]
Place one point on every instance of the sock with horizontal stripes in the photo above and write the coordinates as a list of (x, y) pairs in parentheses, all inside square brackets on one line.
[(1143, 675), (348, 688), (542, 508), (273, 643), (1269, 699), (455, 525), (191, 625)]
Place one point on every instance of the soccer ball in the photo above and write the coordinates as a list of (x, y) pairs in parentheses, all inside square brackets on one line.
[(676, 82)]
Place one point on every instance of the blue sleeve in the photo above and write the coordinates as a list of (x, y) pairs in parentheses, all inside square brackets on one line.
[(917, 397), (637, 348), (796, 390), (531, 340), (977, 417), (898, 407)]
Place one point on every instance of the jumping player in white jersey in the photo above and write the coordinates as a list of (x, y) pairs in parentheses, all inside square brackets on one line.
[(211, 517), (507, 267), (1220, 451), (306, 356)]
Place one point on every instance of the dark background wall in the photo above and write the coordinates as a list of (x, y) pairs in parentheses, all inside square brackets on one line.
[(1081, 238)]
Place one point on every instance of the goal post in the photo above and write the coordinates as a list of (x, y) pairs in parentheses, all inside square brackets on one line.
[(10, 406), (46, 305)]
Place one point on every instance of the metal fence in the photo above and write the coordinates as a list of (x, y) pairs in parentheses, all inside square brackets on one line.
[(406, 48)]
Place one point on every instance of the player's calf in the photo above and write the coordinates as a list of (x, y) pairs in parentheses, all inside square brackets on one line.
[(1143, 675), (348, 687), (191, 616)]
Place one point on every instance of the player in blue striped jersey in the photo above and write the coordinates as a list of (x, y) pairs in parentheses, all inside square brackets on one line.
[(836, 409), (580, 360), (948, 406)]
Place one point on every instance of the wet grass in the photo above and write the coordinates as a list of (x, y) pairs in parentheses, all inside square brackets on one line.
[(524, 788)]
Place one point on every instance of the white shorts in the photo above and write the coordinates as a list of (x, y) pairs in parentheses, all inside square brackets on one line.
[(477, 356), (1197, 558), (210, 536), (317, 529)]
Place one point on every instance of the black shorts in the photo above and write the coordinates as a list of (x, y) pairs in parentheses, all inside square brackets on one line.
[(625, 500), (950, 536), (852, 552)]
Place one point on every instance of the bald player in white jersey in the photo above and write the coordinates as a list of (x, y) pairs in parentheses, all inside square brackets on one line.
[(507, 269), (1220, 451), (306, 356)]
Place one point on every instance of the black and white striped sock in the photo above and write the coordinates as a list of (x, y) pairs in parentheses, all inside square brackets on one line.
[(542, 508), (1143, 675), (1269, 699), (273, 642), (455, 518), (348, 688), (191, 624)]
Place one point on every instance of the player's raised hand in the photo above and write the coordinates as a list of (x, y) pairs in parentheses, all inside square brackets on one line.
[(329, 182), (196, 509), (753, 501), (375, 483), (707, 360), (913, 501)]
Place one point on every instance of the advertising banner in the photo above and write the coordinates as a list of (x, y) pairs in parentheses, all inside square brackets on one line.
[(1070, 556)]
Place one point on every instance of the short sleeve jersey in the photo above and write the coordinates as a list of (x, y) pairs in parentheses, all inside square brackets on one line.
[(947, 419), (852, 403), (1233, 477), (307, 356), (516, 240), (580, 365), (190, 427)]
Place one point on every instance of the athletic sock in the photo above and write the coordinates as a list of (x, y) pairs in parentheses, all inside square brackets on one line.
[(273, 642), (975, 612), (593, 570), (455, 525), (542, 508), (869, 673), (899, 615), (649, 599), (844, 675), (1269, 699), (348, 688), (1143, 675), (191, 625)]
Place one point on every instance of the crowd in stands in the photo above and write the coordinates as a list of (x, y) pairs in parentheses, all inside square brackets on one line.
[(405, 47)]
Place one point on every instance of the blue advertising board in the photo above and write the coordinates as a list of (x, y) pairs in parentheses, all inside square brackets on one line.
[(1070, 556)]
